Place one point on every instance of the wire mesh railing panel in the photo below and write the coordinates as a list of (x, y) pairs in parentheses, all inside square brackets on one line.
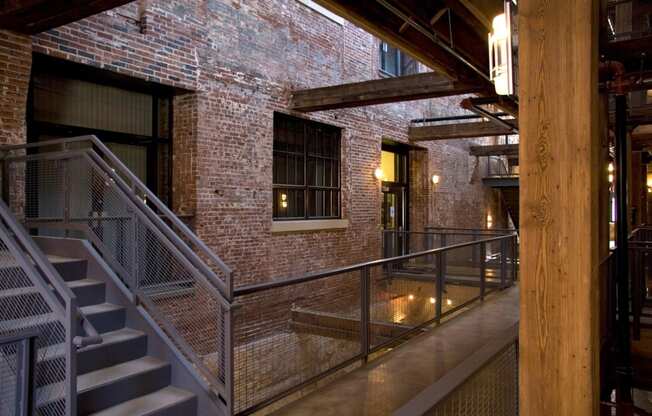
[(288, 335), (462, 280), (492, 391), (401, 297), (23, 308), (10, 376)]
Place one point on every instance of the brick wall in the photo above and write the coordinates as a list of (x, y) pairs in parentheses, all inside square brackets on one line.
[(15, 66), (241, 60)]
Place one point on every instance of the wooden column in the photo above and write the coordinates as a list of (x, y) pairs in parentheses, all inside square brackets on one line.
[(560, 174)]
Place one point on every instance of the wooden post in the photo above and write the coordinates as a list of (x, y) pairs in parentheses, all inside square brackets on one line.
[(560, 173)]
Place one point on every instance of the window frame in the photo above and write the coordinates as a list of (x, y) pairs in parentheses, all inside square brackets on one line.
[(307, 155), (399, 61)]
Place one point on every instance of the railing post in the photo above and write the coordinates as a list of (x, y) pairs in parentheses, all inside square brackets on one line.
[(66, 195), (514, 259), (365, 330), (5, 182), (483, 270), (228, 349), (25, 371), (70, 321), (503, 262), (439, 298)]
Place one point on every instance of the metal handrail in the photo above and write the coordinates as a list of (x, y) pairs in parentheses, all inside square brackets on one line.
[(45, 274), (308, 277), (133, 196), (136, 185)]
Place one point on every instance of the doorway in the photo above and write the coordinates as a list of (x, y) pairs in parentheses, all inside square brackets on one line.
[(394, 212)]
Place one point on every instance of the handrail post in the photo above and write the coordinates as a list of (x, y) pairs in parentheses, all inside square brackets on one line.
[(228, 354), (483, 270), (439, 297), (70, 321), (25, 373), (365, 318), (514, 259), (66, 194), (503, 262)]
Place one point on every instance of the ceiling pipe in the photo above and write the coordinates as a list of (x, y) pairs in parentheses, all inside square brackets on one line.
[(433, 37)]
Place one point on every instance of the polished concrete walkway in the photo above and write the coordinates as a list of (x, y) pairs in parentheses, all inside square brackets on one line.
[(387, 383)]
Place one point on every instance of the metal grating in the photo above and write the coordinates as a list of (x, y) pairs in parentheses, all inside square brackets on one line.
[(492, 391)]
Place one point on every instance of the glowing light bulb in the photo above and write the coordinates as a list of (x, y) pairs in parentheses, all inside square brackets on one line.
[(410, 297), (433, 300), (378, 173), (449, 302), (435, 179)]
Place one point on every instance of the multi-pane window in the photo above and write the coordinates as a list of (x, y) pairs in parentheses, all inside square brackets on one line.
[(306, 169), (395, 62)]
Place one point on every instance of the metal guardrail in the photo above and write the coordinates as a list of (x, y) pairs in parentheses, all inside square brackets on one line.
[(79, 186), (485, 384), (35, 297), (329, 320), (17, 372)]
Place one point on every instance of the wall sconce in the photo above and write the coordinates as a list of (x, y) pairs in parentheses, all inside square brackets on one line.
[(610, 169), (435, 179), (410, 297), (490, 221), (433, 300), (649, 184), (378, 173), (284, 201)]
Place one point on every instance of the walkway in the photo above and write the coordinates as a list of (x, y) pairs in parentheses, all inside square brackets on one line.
[(392, 380)]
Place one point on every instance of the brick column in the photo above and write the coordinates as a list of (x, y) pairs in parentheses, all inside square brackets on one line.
[(15, 67)]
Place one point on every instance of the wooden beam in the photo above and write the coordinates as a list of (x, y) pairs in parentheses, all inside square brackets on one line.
[(35, 16), (494, 150), (379, 91), (456, 131), (560, 173)]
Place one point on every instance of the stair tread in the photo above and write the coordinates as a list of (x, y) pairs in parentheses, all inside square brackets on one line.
[(102, 377), (84, 282), (108, 338), (100, 308), (111, 374), (149, 403)]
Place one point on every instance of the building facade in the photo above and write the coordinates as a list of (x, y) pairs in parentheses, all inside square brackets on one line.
[(206, 83)]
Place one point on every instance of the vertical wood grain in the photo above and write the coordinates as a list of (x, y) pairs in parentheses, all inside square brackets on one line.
[(560, 170)]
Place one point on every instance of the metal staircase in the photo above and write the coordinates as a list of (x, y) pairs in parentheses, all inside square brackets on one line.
[(128, 301)]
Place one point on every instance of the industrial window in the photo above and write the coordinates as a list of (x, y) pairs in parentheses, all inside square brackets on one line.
[(395, 62), (306, 169)]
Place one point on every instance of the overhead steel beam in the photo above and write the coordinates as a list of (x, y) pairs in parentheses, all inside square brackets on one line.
[(456, 131), (379, 91)]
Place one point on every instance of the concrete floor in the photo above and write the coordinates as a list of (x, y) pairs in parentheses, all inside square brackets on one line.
[(387, 383)]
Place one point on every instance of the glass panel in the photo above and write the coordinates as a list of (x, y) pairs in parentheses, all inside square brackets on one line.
[(389, 58), (289, 203), (388, 165)]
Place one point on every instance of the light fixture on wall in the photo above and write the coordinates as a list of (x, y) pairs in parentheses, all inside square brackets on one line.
[(435, 179), (410, 297), (649, 183), (284, 201), (610, 170), (433, 300), (378, 173), (490, 221)]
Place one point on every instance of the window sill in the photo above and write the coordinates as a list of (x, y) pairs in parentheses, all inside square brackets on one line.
[(308, 225)]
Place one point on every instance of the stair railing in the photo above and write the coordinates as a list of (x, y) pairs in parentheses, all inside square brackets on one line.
[(77, 186), (36, 295)]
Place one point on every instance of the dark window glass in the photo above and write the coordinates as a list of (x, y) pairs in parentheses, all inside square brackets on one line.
[(306, 169), (395, 62)]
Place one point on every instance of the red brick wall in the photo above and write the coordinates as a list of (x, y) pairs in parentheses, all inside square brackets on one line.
[(242, 59), (15, 66)]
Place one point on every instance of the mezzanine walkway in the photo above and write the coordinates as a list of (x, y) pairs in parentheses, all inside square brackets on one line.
[(389, 382)]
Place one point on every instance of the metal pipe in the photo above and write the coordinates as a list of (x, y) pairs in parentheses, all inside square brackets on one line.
[(623, 369), (430, 35)]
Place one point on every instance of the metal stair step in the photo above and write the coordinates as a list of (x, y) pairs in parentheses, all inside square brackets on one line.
[(117, 347), (110, 386), (88, 292), (105, 317), (169, 401)]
